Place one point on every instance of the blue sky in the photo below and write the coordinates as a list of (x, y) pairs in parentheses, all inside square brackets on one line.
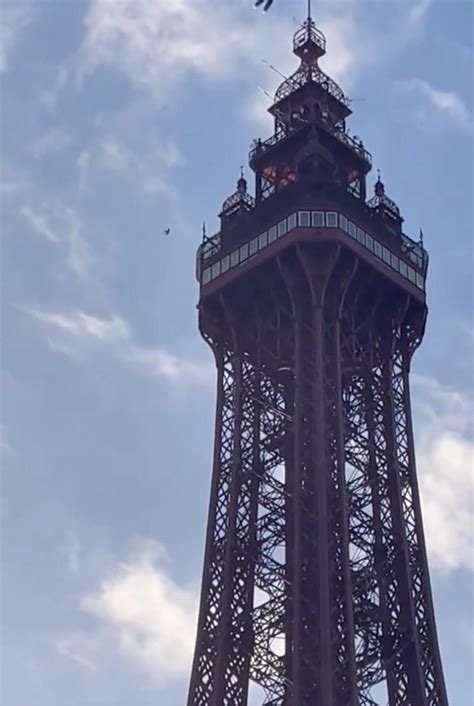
[(121, 118)]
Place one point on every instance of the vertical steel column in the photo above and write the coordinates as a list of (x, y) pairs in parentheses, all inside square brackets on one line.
[(201, 686)]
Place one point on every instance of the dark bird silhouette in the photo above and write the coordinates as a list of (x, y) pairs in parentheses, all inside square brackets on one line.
[(266, 6), (167, 231)]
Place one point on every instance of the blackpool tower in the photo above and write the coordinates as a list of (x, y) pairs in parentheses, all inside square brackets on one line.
[(312, 298)]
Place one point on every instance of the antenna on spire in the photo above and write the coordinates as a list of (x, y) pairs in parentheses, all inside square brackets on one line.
[(309, 9), (267, 63)]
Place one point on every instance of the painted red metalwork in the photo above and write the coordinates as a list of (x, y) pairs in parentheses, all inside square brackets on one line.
[(315, 586)]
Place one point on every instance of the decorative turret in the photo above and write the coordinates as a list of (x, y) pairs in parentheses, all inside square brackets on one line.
[(239, 201), (387, 208)]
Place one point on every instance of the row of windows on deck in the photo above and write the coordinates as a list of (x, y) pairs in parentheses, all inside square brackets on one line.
[(315, 219)]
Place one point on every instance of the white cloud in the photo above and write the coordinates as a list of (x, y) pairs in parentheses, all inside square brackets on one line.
[(39, 223), (60, 225), (15, 18), (142, 613), (73, 333), (70, 647), (417, 14), (445, 453), (445, 103), (83, 326), (161, 44)]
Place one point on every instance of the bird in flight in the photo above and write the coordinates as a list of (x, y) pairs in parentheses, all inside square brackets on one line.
[(167, 231), (267, 6)]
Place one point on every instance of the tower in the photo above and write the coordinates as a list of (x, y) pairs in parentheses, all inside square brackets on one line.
[(312, 299)]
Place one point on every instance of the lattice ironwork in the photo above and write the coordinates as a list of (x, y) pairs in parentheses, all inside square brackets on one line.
[(315, 582)]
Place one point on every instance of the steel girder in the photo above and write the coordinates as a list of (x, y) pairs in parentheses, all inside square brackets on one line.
[(315, 583)]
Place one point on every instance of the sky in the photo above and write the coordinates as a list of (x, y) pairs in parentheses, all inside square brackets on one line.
[(120, 119)]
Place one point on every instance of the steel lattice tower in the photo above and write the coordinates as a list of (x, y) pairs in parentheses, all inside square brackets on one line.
[(312, 299)]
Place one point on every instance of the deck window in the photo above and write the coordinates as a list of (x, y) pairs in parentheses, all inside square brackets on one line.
[(317, 219), (419, 281), (262, 240), (303, 218), (272, 234), (282, 229), (253, 246), (244, 252), (331, 219), (292, 221)]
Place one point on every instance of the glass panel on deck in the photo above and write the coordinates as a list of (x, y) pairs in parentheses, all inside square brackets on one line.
[(303, 218), (331, 219), (272, 234), (244, 252), (262, 240), (253, 246), (317, 219), (282, 229)]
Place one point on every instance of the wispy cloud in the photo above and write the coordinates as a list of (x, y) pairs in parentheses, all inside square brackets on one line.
[(75, 334), (39, 223), (70, 647), (15, 18), (417, 14), (160, 45), (60, 225), (446, 104), (445, 451), (141, 614)]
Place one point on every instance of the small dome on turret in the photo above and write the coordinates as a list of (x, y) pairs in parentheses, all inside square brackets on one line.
[(242, 183), (381, 203), (379, 188), (240, 200)]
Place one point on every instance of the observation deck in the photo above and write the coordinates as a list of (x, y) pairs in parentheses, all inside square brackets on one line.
[(259, 147)]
